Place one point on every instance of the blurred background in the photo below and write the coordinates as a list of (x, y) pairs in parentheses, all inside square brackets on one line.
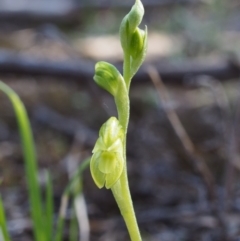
[(183, 143)]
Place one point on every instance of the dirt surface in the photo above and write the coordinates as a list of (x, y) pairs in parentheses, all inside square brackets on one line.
[(170, 197)]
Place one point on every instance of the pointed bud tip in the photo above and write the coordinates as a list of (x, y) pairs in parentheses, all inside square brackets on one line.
[(129, 24)]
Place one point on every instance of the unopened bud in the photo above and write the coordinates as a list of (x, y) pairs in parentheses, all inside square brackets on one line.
[(137, 43), (129, 24), (133, 39), (138, 49), (107, 76)]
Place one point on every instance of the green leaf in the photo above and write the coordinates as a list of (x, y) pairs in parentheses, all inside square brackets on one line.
[(49, 212), (3, 223), (61, 218), (70, 189), (30, 163)]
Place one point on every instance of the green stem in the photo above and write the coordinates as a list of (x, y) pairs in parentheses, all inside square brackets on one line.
[(121, 190), (123, 198)]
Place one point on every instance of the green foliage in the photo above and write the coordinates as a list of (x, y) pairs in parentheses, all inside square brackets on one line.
[(41, 210), (49, 210), (3, 223), (73, 188), (41, 216)]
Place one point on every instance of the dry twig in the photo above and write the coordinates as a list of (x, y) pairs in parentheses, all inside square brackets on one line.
[(199, 163), (83, 70)]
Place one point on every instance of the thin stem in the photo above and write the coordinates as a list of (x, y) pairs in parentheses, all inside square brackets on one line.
[(121, 190), (123, 198)]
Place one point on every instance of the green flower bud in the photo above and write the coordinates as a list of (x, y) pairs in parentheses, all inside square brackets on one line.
[(108, 161), (138, 49), (136, 44), (133, 39), (107, 77), (130, 23)]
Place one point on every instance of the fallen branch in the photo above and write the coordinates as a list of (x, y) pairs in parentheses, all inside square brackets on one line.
[(83, 70), (37, 11)]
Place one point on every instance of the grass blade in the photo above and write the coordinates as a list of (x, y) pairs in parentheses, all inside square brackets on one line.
[(3, 223), (74, 232), (61, 218), (30, 162), (82, 217), (49, 207), (70, 189)]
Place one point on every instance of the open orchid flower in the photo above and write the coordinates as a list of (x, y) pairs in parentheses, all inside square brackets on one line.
[(107, 161)]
